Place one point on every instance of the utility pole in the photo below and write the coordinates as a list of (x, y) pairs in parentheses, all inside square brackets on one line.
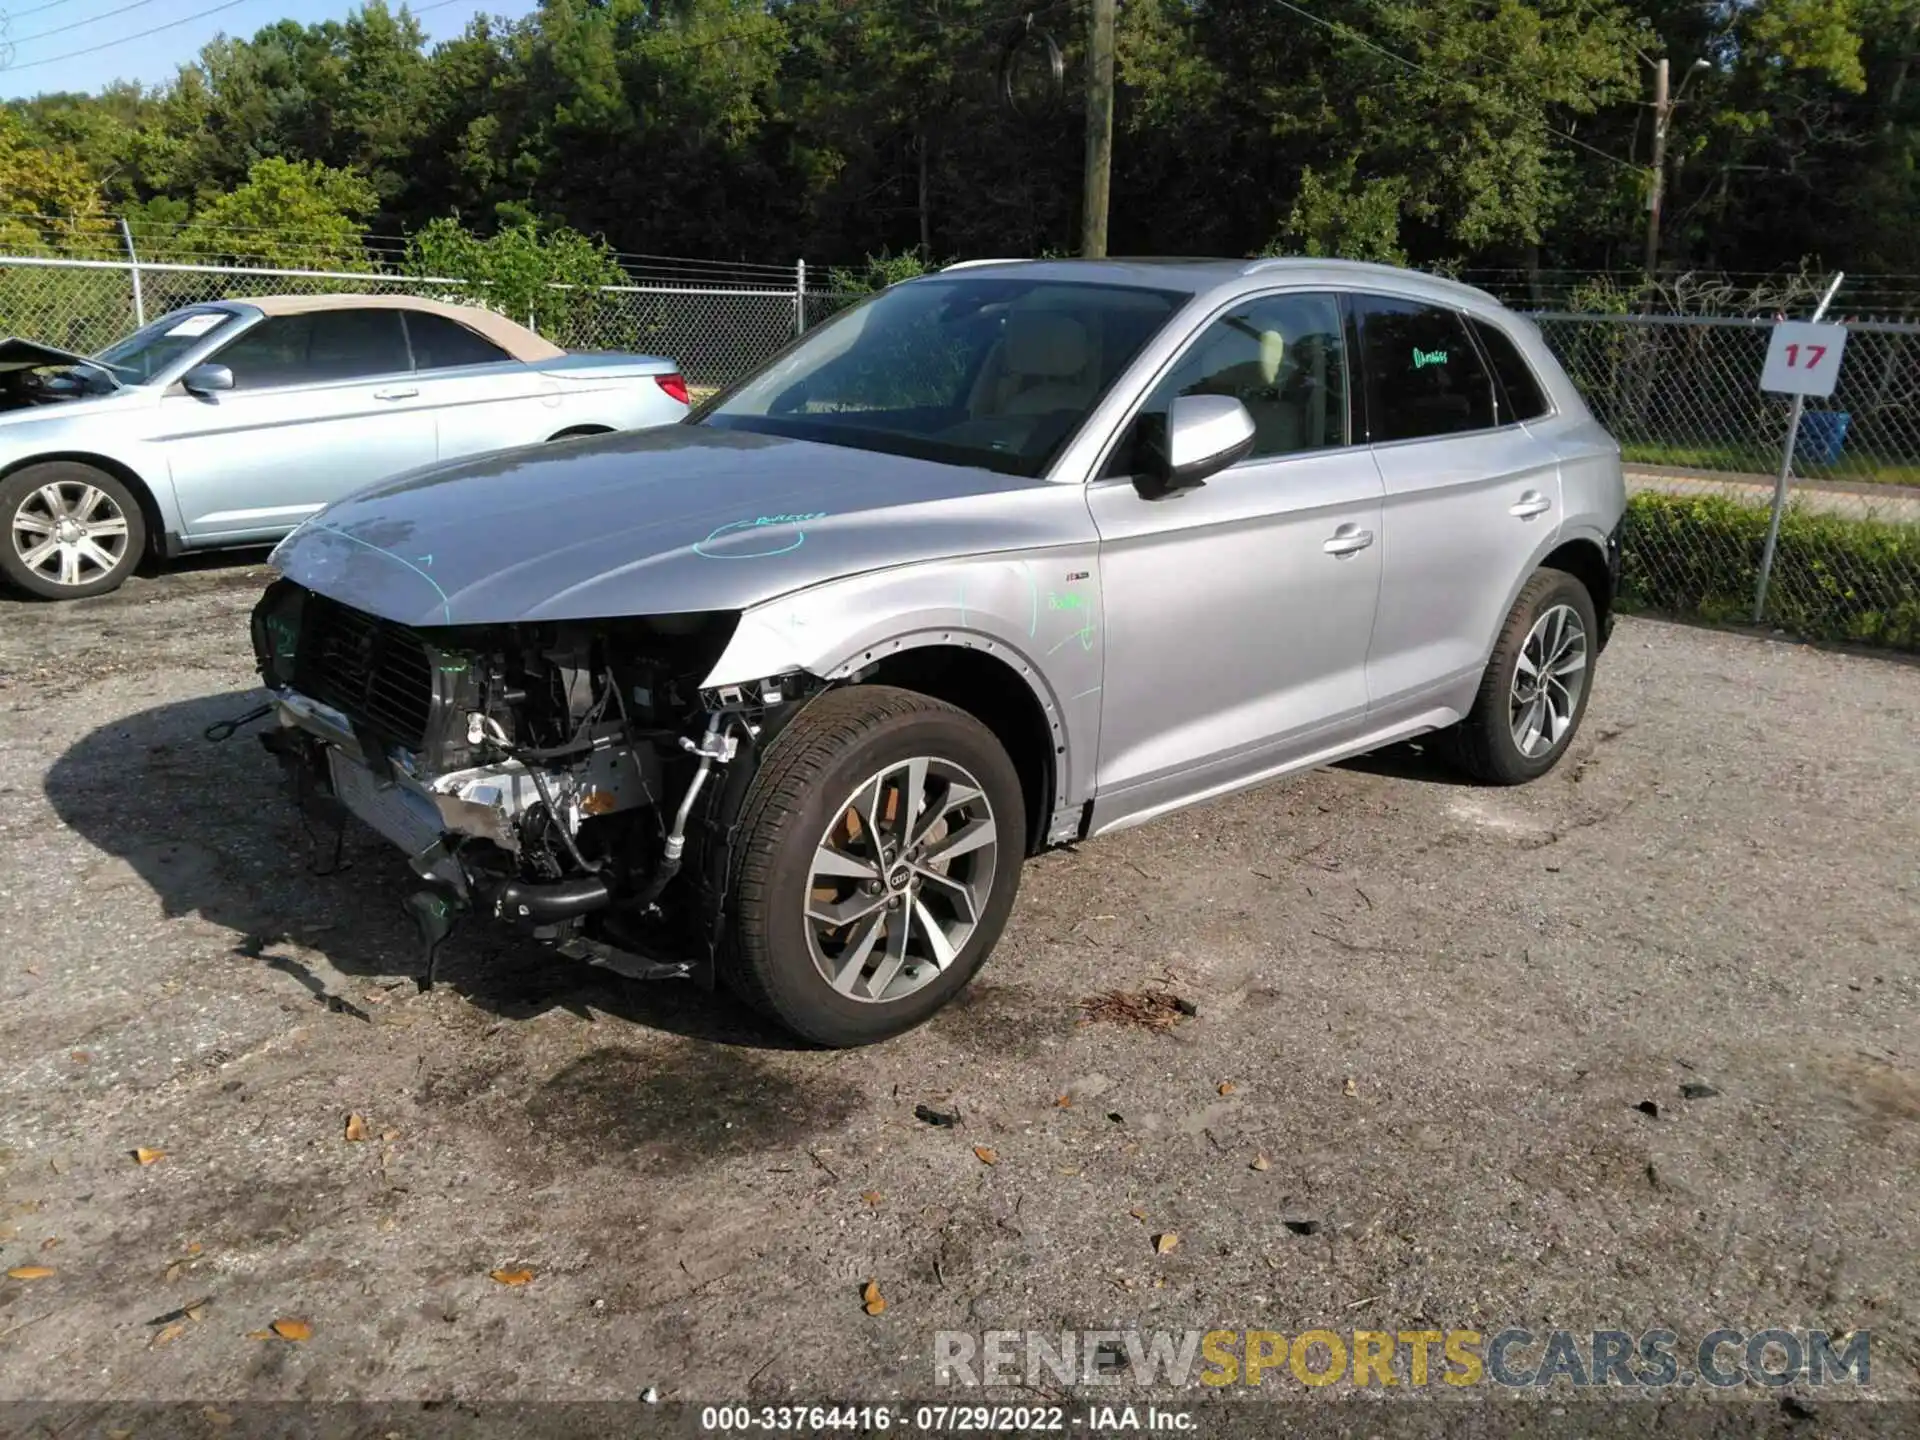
[(1093, 220), (1662, 112)]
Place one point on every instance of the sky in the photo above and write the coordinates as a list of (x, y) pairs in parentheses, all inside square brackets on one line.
[(33, 33)]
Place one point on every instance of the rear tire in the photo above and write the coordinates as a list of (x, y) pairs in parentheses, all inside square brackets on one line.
[(849, 930), (68, 530), (1534, 692)]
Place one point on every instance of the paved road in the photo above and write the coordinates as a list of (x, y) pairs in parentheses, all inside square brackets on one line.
[(1856, 499)]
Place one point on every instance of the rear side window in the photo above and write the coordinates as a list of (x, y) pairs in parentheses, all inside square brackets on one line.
[(440, 343), (1424, 376), (1520, 392)]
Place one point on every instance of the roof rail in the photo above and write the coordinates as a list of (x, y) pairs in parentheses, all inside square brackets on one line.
[(970, 264), (1368, 267)]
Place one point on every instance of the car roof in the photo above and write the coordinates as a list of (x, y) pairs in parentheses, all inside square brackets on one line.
[(1206, 276), (518, 341)]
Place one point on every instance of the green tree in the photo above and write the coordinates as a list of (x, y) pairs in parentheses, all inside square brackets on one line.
[(289, 213), (551, 281)]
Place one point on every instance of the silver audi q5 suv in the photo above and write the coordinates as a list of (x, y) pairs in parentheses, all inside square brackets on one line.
[(1011, 555)]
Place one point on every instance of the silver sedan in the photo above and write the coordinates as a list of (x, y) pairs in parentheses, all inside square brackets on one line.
[(229, 423)]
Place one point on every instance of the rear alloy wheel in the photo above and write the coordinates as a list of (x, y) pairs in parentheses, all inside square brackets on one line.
[(879, 856), (1534, 691), (71, 530)]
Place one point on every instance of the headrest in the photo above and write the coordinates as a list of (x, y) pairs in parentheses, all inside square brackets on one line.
[(1273, 347), (1044, 344)]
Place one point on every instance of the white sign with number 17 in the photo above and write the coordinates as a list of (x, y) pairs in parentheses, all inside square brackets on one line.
[(1804, 358)]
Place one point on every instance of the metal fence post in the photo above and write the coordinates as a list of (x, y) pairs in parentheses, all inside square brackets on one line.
[(799, 297), (133, 270), (1786, 472)]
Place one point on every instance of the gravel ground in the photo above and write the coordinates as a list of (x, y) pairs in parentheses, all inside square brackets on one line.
[(1437, 1007)]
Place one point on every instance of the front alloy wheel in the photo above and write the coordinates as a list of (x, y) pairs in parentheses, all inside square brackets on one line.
[(877, 860), (900, 879), (71, 530)]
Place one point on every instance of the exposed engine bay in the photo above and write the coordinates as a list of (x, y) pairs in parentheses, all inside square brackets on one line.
[(572, 781)]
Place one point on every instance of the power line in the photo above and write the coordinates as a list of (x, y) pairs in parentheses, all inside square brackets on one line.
[(1349, 33), (126, 39), (22, 14), (78, 24)]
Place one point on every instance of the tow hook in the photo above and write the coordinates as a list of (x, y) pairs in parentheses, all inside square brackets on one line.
[(225, 729)]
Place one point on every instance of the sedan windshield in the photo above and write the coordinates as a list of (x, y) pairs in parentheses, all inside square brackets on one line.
[(998, 373), (151, 349)]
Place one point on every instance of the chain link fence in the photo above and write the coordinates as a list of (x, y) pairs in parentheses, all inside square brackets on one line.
[(1703, 446), (1703, 443)]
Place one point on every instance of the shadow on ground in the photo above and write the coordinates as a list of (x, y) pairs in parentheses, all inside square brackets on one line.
[(213, 831)]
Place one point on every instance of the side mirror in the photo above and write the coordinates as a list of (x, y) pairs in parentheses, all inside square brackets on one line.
[(207, 379), (1205, 434)]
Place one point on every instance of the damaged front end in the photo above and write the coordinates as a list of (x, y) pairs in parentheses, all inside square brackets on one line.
[(572, 781)]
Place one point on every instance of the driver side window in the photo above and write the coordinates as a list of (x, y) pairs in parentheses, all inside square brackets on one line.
[(1284, 357)]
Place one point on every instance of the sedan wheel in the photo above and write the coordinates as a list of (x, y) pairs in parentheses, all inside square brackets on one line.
[(71, 530)]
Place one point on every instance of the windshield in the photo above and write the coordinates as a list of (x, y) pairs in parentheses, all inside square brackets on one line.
[(992, 372), (151, 349)]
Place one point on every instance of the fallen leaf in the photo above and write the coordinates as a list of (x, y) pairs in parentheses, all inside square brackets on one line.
[(147, 1157), (1138, 1214), (511, 1277), (1260, 1162), (80, 1057), (52, 1242), (988, 1156), (871, 1300), (1227, 1087), (1165, 1241), (196, 1311), (29, 1272), (167, 1336), (194, 1248), (872, 1197), (173, 1271), (295, 1330), (356, 1128), (1065, 1102), (1350, 1088), (389, 1135), (259, 1335)]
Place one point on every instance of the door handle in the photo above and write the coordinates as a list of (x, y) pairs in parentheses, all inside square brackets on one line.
[(406, 393), (1348, 540), (1529, 505)]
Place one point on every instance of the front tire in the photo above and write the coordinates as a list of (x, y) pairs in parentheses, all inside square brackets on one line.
[(68, 530), (1534, 692), (879, 855)]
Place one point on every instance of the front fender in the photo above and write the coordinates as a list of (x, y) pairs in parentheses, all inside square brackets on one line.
[(1037, 612)]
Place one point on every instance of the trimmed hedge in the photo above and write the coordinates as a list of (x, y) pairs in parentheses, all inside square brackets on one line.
[(1834, 578)]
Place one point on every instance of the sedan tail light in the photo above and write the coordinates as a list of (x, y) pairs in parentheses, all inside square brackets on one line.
[(674, 385)]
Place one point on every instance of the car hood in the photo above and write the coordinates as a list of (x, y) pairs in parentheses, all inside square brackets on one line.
[(18, 354), (672, 520)]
